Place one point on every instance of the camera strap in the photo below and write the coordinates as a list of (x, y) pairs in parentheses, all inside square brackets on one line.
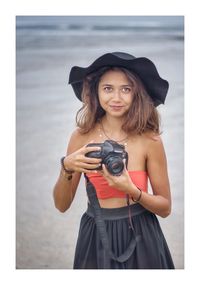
[(100, 223)]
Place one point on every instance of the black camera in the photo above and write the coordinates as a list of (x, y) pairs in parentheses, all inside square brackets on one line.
[(112, 155)]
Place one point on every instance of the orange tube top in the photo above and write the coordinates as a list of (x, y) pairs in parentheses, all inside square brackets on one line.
[(104, 191)]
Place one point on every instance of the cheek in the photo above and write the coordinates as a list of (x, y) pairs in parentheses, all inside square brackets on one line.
[(102, 98), (128, 99)]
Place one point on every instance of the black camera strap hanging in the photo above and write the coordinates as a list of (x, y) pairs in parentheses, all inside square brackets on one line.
[(100, 223)]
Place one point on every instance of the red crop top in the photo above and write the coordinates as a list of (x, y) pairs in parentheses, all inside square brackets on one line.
[(104, 191)]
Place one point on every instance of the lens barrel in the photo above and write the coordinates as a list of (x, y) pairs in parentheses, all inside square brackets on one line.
[(114, 165)]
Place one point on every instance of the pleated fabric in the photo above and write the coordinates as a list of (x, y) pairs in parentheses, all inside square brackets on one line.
[(151, 251)]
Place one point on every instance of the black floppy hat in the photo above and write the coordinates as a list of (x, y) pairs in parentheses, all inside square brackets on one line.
[(144, 68)]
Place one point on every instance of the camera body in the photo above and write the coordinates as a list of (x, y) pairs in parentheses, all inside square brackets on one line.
[(112, 155)]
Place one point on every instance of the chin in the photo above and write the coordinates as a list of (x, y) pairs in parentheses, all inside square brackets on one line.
[(118, 114), (115, 113)]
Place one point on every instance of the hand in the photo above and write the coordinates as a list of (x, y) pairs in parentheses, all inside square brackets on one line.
[(122, 182), (77, 161)]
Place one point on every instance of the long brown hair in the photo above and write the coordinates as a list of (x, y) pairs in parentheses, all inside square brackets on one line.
[(142, 115)]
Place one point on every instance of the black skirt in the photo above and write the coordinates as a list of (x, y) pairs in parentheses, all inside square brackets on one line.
[(151, 251)]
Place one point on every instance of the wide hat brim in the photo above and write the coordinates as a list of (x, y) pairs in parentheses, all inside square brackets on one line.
[(143, 67)]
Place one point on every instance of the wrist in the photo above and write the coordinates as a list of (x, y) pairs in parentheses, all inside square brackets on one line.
[(132, 190), (65, 176), (135, 193), (65, 167)]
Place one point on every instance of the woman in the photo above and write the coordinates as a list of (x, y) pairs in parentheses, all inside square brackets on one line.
[(119, 94)]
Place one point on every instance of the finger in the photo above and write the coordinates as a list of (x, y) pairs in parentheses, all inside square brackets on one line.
[(87, 171), (90, 149), (124, 161), (125, 167), (80, 158), (88, 165), (86, 145), (105, 171), (107, 175), (92, 160)]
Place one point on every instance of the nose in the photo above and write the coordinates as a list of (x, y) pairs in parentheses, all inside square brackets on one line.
[(117, 95)]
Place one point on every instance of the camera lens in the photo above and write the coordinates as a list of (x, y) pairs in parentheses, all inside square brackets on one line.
[(114, 165)]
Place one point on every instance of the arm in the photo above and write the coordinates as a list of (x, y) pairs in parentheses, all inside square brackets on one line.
[(75, 160), (160, 202), (64, 189)]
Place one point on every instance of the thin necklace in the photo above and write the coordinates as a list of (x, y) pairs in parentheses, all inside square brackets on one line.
[(120, 141)]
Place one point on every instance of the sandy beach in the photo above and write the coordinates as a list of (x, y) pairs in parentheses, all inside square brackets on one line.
[(47, 48)]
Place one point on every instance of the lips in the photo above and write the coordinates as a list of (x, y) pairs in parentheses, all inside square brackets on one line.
[(116, 107)]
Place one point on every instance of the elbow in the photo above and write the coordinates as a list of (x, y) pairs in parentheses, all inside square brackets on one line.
[(166, 212), (59, 205), (61, 208)]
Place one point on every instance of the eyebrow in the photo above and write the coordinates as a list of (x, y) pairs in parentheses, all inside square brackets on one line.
[(124, 85)]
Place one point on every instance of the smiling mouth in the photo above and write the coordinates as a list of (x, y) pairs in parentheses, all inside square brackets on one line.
[(116, 106)]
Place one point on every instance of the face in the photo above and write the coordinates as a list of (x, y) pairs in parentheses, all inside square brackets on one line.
[(115, 93)]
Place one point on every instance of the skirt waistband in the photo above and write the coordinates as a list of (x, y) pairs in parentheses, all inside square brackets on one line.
[(117, 213)]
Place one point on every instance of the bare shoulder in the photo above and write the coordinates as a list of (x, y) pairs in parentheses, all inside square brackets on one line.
[(77, 140), (150, 137), (153, 143), (77, 136)]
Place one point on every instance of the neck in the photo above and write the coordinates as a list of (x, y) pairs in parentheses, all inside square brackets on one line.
[(113, 127), (113, 123)]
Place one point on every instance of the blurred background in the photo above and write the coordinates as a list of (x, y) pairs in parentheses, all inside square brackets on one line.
[(46, 49)]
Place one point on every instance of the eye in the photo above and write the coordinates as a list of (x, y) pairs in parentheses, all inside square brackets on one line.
[(107, 89), (126, 90)]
